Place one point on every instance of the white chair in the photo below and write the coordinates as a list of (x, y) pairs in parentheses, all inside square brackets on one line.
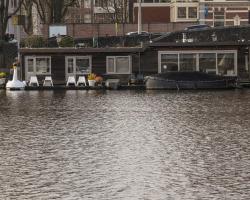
[(48, 81), (33, 81), (81, 80), (71, 80)]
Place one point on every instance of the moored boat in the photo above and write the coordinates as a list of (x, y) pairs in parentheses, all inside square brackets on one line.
[(189, 80)]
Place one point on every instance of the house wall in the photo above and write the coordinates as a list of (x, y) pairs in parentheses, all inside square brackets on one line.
[(149, 62), (58, 65), (145, 62), (242, 70)]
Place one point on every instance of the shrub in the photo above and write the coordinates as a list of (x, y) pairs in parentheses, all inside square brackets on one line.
[(35, 41), (98, 79), (66, 41), (91, 76), (3, 74)]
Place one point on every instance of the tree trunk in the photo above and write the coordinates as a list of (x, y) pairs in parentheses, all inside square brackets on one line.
[(58, 8), (2, 33), (3, 27)]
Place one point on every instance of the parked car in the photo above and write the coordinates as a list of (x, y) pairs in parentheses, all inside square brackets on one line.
[(144, 33), (197, 27)]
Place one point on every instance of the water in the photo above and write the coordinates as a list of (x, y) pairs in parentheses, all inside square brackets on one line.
[(127, 145)]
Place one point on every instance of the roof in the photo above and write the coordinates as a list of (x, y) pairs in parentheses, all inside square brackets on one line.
[(82, 50), (219, 35), (199, 44)]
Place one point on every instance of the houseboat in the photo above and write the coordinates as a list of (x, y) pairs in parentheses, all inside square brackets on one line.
[(217, 51)]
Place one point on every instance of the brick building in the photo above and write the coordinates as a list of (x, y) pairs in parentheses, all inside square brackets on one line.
[(224, 12), (212, 12), (100, 11), (11, 28)]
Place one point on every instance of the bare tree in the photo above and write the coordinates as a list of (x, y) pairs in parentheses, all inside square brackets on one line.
[(27, 9), (117, 10), (53, 11), (5, 15)]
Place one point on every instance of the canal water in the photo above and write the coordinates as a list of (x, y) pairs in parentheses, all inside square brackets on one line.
[(128, 145)]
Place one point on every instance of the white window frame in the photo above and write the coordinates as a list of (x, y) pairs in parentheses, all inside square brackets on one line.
[(187, 18), (74, 64), (115, 57), (35, 67), (235, 52), (186, 13)]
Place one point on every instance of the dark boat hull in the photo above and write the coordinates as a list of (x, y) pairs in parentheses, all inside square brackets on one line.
[(154, 82)]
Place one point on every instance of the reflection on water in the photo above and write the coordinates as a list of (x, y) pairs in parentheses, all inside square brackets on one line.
[(129, 145)]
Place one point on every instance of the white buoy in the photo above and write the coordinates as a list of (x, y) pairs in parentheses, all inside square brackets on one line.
[(15, 84)]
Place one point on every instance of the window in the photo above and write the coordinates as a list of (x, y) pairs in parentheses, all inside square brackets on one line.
[(221, 62), (82, 66), (118, 65), (188, 62), (87, 4), (122, 65), (42, 65), (110, 65), (187, 13), (87, 18), (219, 18), (70, 65), (169, 62), (78, 65), (182, 12), (192, 12), (38, 65), (225, 63), (207, 62), (30, 65), (14, 3)]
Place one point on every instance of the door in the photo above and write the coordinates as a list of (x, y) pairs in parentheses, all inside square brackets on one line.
[(70, 69), (78, 65), (29, 67)]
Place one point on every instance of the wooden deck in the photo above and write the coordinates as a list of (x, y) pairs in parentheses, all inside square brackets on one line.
[(244, 84), (63, 87)]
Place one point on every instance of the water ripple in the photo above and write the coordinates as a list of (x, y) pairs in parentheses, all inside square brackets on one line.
[(130, 145)]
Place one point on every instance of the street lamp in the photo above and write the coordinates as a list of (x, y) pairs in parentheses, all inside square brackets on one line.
[(139, 18)]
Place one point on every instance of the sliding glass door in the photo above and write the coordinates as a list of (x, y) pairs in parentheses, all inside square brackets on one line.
[(77, 65)]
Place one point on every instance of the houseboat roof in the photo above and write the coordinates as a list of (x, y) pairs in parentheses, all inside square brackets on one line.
[(199, 44), (83, 50), (234, 36)]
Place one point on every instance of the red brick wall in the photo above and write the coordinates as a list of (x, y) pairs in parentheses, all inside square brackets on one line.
[(90, 30), (153, 14), (243, 15)]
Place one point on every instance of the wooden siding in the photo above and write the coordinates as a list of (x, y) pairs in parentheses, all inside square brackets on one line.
[(149, 62), (58, 68), (58, 64), (143, 61)]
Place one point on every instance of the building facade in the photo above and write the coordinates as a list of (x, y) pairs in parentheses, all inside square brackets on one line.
[(99, 11), (224, 12), (81, 13), (11, 28), (212, 12)]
